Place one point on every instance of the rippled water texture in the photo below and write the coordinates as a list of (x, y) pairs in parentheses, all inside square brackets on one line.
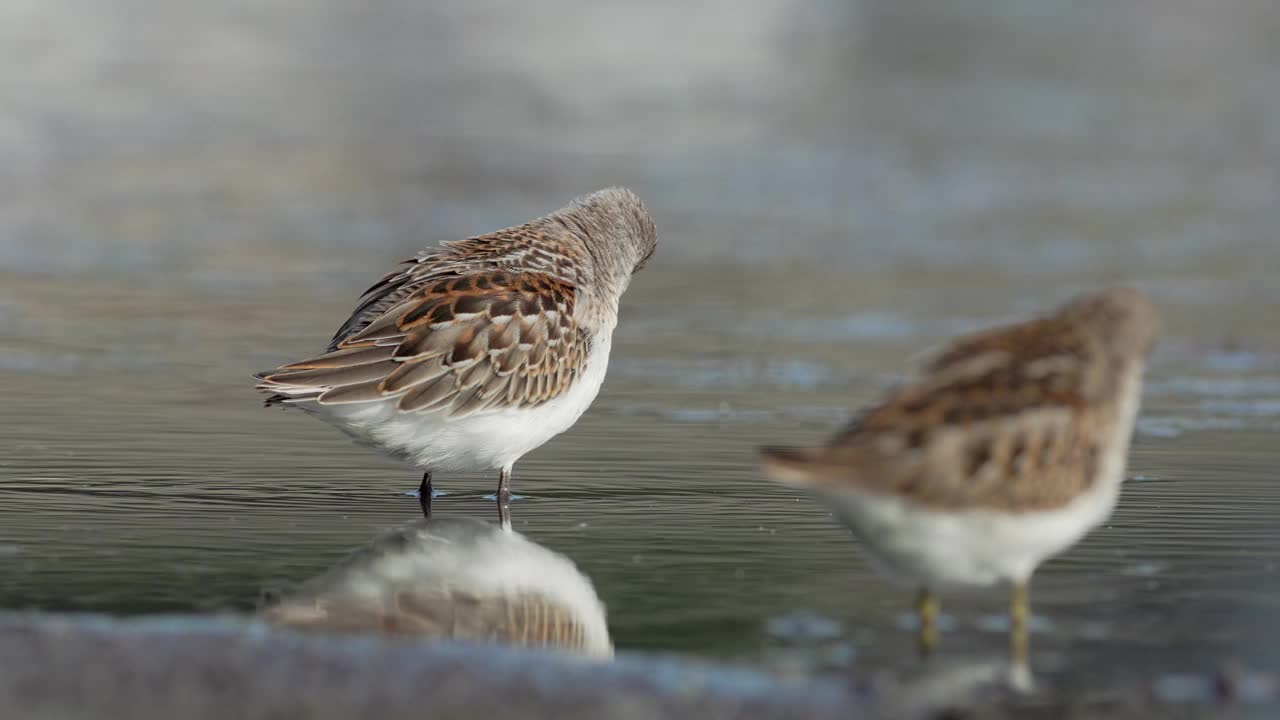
[(190, 193)]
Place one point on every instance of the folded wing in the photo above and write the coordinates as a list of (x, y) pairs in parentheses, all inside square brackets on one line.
[(1005, 418), (456, 344)]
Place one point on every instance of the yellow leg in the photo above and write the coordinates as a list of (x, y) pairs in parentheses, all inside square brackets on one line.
[(1019, 614), (927, 608)]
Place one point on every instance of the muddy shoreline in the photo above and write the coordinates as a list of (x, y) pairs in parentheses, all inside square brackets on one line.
[(79, 666)]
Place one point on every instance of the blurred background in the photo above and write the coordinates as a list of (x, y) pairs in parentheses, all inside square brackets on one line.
[(193, 192)]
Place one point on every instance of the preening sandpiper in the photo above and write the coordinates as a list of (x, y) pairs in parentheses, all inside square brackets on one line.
[(475, 352), (1006, 449)]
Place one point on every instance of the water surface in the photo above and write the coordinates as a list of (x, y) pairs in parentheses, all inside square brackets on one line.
[(201, 196)]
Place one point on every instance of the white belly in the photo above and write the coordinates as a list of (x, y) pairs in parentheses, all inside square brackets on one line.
[(483, 441), (975, 547), (981, 547)]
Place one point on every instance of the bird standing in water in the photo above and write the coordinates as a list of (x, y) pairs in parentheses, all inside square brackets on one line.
[(1006, 450), (476, 352)]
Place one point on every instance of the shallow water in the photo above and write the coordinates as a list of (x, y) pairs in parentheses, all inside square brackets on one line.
[(835, 190)]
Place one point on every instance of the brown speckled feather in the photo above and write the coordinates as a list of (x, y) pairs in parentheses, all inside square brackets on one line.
[(452, 343), (1014, 418), (515, 250)]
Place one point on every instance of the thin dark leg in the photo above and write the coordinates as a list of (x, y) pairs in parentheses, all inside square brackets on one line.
[(504, 498), (424, 495)]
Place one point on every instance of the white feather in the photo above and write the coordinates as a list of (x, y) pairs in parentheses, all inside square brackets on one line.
[(486, 440)]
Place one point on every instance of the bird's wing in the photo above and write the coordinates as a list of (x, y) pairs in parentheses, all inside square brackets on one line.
[(1005, 418), (448, 342)]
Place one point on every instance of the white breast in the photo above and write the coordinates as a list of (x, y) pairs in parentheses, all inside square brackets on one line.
[(974, 547), (981, 547), (483, 441)]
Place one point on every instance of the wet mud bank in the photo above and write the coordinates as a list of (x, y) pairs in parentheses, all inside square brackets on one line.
[(191, 667)]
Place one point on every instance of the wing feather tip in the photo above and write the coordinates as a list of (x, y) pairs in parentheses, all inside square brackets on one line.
[(796, 467), (277, 398)]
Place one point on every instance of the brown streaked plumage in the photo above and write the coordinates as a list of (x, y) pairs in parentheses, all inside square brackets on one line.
[(1000, 431), (475, 352), (457, 345)]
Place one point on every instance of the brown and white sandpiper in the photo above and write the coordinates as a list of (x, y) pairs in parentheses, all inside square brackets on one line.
[(1006, 449), (477, 351)]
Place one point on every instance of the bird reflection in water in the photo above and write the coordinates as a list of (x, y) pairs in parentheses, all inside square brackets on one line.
[(942, 686), (454, 579)]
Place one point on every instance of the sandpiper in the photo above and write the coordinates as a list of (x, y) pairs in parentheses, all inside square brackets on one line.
[(1006, 449), (477, 351)]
